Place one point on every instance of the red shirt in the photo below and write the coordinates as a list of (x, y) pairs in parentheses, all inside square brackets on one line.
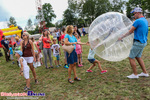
[(62, 37), (45, 43), (37, 43)]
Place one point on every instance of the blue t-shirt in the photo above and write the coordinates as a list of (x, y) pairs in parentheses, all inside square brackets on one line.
[(5, 43), (71, 39), (91, 54), (11, 50), (141, 31)]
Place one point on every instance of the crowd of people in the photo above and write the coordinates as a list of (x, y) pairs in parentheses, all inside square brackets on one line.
[(30, 54)]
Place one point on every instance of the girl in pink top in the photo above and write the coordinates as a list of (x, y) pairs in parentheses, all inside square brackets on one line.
[(78, 51)]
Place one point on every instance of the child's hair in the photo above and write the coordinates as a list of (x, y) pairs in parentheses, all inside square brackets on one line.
[(32, 39), (69, 29), (54, 39), (63, 29), (10, 45)]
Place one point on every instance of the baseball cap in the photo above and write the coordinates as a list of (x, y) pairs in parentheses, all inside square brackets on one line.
[(19, 52), (137, 9)]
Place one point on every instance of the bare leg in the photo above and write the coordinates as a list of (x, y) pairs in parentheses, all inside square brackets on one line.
[(141, 63), (133, 65), (28, 83), (58, 62), (74, 70), (55, 62), (91, 66), (99, 65), (32, 69), (69, 70), (78, 59)]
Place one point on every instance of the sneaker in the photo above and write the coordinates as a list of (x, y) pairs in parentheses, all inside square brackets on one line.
[(57, 66), (89, 71), (133, 76), (104, 71), (79, 66), (38, 64), (143, 74), (66, 66)]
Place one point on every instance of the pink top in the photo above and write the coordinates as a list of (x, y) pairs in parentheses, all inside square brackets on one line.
[(78, 46)]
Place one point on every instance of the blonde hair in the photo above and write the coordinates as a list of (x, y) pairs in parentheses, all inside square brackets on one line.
[(27, 34), (69, 29)]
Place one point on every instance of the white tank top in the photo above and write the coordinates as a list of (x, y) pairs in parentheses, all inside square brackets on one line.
[(25, 66)]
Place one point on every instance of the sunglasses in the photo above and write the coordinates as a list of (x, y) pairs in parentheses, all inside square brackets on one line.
[(54, 40), (23, 35)]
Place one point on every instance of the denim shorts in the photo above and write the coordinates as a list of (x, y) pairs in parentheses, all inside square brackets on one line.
[(137, 49), (91, 60)]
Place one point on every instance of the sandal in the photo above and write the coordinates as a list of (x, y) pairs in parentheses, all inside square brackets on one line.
[(77, 79), (26, 88), (70, 81)]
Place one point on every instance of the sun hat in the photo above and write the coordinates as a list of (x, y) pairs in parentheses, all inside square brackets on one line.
[(19, 52)]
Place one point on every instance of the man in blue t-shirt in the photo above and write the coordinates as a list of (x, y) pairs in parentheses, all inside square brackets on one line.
[(140, 29), (4, 44)]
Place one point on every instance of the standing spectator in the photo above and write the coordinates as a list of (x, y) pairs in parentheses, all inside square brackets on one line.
[(62, 42), (140, 29), (72, 58), (28, 53), (46, 48), (76, 31), (4, 44), (18, 41), (58, 35), (83, 31)]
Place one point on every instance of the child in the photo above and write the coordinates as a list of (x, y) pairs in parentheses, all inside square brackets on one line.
[(56, 52), (24, 69), (39, 52), (11, 53), (37, 62), (78, 50), (92, 60)]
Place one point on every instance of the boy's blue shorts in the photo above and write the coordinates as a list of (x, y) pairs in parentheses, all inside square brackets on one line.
[(137, 49), (91, 60)]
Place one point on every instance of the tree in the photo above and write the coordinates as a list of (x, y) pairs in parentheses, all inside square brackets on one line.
[(69, 17), (29, 25), (48, 13), (12, 21), (131, 4)]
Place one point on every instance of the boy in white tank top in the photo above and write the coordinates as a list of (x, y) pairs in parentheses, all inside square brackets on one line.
[(24, 68)]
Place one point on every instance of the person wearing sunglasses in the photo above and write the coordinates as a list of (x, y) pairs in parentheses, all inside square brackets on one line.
[(28, 53), (140, 30)]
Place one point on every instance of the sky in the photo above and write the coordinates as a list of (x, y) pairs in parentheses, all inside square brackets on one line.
[(22, 10)]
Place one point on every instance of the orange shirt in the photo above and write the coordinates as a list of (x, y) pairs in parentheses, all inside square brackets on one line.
[(45, 43)]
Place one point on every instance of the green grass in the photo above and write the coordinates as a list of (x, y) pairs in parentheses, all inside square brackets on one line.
[(53, 82)]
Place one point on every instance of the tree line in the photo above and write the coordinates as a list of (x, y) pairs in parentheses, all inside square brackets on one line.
[(83, 12)]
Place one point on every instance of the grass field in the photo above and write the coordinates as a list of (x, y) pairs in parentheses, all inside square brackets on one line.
[(53, 82)]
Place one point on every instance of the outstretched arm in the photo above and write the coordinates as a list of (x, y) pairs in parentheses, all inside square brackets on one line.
[(128, 33)]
